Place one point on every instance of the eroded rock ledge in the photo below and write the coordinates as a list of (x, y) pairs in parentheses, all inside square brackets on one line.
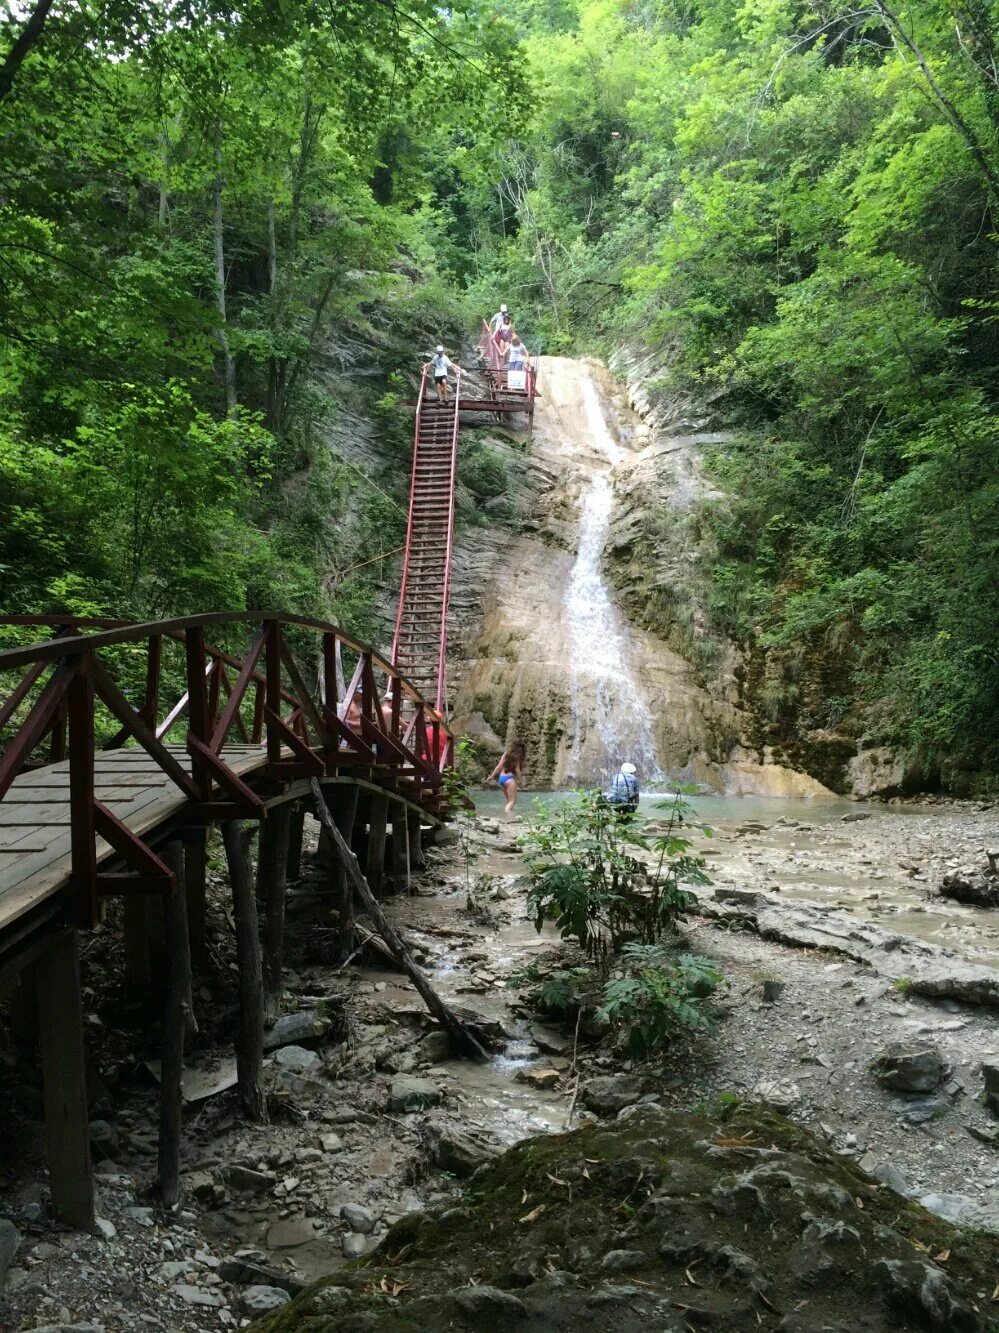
[(670, 1221)]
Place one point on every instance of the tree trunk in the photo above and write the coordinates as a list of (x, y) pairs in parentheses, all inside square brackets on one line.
[(250, 1037), (448, 1019), (229, 367)]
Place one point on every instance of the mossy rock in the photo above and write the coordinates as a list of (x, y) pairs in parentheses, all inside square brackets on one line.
[(664, 1220)]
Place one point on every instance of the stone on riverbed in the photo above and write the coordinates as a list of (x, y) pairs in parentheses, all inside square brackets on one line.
[(413, 1094), (971, 886), (297, 1029), (910, 1067), (260, 1300), (610, 1093), (779, 1094), (459, 1153)]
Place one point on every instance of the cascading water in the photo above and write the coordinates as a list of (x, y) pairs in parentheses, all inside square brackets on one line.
[(605, 693)]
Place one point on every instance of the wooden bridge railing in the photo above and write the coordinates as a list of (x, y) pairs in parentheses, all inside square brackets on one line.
[(377, 721)]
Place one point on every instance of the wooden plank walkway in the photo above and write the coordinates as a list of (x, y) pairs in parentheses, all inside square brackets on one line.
[(34, 816)]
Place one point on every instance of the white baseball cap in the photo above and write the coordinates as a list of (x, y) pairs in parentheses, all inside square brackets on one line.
[(628, 768), (440, 347), (502, 309)]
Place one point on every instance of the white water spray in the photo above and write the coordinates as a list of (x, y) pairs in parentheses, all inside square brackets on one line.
[(604, 688)]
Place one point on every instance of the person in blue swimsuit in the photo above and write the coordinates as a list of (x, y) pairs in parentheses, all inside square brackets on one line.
[(510, 772)]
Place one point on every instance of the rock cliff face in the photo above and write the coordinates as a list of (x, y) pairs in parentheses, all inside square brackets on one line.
[(541, 651)]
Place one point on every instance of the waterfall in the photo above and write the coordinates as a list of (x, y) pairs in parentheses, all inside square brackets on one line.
[(611, 719)]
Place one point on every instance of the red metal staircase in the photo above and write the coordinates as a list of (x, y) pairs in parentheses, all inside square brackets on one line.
[(420, 644)]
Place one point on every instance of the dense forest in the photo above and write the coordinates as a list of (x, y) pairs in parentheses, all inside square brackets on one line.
[(223, 233)]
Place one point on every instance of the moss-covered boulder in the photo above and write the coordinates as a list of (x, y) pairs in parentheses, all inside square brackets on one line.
[(662, 1220)]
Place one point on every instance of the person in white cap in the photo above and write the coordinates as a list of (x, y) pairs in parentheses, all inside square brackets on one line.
[(441, 363), (623, 794), (496, 322)]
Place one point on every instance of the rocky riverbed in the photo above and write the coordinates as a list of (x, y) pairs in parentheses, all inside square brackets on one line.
[(372, 1122)]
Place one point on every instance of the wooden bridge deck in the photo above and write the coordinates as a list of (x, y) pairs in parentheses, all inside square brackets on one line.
[(35, 837)]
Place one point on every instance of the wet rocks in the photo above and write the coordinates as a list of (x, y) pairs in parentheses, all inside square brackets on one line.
[(192, 1295), (459, 1153), (258, 1301), (779, 1094), (246, 1269), (104, 1142), (433, 1048), (247, 1180), (10, 1243), (975, 887), (990, 1073), (542, 1079), (355, 1245), (413, 1094), (910, 1067), (548, 1040), (297, 1029), (609, 1093), (358, 1218), (297, 1058), (488, 1304)]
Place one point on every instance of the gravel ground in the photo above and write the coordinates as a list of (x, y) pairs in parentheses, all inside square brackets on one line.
[(338, 1138)]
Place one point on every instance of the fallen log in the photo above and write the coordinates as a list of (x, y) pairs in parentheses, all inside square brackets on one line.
[(463, 1040)]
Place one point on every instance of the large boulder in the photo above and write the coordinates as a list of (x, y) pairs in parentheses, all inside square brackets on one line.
[(609, 1093), (413, 1094), (973, 887), (740, 1220), (910, 1067)]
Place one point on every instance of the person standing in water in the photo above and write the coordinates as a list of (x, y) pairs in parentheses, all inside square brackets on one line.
[(623, 794), (511, 773)]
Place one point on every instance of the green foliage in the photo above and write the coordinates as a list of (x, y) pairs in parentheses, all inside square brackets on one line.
[(795, 211), (209, 232), (658, 994), (588, 875)]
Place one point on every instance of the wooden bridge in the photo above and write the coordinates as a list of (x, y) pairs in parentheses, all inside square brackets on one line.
[(127, 743), (124, 744)]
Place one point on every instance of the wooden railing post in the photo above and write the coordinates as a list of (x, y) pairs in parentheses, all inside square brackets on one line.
[(197, 706), (151, 702), (80, 714), (272, 675)]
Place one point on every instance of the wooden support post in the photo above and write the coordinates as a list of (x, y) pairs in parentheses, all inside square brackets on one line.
[(250, 1037), (464, 1040), (195, 888), (178, 1016), (400, 853), (417, 861), (67, 1129), (295, 834), (138, 973), (272, 887), (375, 867), (24, 1014), (343, 816)]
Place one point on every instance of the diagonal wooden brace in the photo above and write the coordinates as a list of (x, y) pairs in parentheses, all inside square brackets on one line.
[(225, 777), (302, 752), (151, 874), (341, 732)]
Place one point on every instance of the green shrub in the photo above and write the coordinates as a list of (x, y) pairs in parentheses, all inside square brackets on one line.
[(659, 994)]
